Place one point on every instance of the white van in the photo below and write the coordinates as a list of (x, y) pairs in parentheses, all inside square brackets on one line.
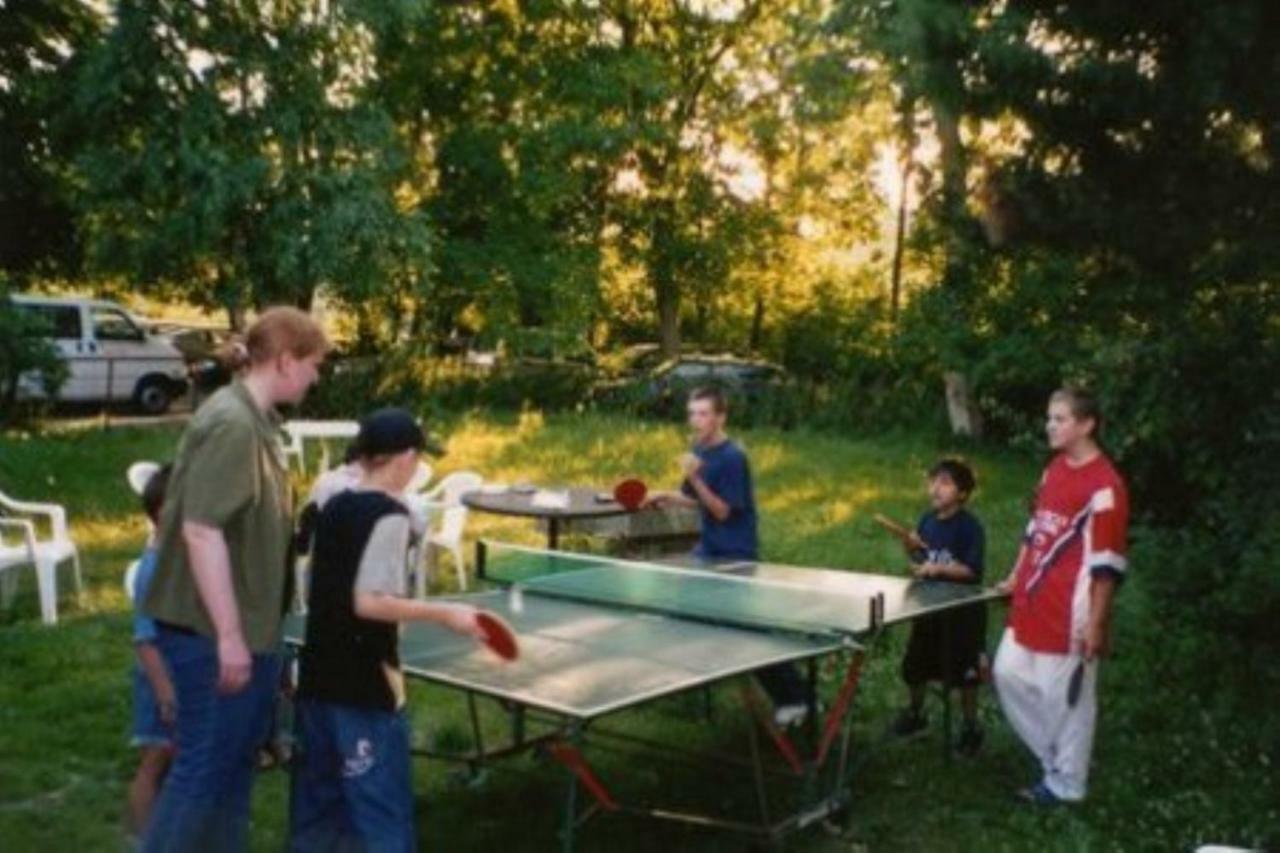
[(110, 356)]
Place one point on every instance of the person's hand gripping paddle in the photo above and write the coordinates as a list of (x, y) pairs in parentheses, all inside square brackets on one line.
[(630, 494), (498, 635), (908, 537)]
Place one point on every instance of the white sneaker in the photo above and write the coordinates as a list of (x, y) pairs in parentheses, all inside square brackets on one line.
[(786, 716)]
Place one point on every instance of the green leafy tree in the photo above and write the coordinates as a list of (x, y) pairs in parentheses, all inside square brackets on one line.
[(39, 47), (231, 156)]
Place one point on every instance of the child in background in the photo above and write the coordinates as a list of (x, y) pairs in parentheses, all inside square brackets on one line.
[(153, 694), (948, 647)]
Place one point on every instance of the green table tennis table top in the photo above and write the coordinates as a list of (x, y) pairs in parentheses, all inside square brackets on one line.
[(599, 634)]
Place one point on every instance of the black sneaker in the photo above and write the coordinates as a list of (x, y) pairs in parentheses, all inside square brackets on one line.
[(970, 740), (909, 721)]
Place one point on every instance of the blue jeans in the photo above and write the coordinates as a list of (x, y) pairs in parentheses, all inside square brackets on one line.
[(204, 805), (784, 684), (352, 781)]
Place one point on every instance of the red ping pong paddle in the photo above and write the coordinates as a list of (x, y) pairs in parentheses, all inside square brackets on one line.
[(630, 493), (498, 635)]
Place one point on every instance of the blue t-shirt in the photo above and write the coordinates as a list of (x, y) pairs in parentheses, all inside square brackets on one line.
[(726, 472), (144, 627), (958, 539)]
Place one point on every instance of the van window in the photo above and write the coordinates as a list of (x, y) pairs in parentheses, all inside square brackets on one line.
[(61, 322), (110, 324)]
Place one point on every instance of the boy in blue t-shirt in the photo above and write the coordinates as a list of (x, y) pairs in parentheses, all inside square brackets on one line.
[(153, 694), (717, 481), (949, 647)]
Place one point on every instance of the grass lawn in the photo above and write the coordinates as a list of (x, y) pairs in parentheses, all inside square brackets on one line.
[(1161, 779)]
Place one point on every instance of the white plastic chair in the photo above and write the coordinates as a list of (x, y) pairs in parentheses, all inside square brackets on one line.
[(445, 500), (43, 554), (297, 432), (421, 478), (138, 475), (291, 444), (131, 579)]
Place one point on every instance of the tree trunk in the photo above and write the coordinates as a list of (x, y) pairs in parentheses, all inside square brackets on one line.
[(662, 275), (900, 241), (757, 324), (962, 405), (668, 318), (962, 408)]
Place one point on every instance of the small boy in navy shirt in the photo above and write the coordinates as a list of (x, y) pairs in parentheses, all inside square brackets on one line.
[(154, 703), (949, 647)]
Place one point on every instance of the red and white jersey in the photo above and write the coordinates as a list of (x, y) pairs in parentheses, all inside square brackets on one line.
[(1080, 525)]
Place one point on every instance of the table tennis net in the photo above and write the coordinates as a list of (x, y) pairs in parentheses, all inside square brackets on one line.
[(701, 594)]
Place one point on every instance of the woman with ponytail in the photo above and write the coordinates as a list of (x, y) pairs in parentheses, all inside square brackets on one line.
[(219, 588)]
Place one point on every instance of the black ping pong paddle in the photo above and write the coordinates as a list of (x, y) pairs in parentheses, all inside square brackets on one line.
[(1075, 684)]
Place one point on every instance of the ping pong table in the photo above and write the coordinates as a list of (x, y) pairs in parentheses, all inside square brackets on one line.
[(601, 635)]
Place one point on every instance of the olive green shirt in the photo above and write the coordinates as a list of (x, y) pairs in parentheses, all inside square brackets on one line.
[(230, 474)]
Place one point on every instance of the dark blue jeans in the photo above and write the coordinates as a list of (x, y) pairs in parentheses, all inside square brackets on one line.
[(204, 805), (352, 781), (784, 684)]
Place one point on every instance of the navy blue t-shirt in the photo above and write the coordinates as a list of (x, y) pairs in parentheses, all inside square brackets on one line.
[(726, 472), (959, 539)]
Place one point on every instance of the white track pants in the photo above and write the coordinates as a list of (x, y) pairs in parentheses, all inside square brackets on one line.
[(1032, 687)]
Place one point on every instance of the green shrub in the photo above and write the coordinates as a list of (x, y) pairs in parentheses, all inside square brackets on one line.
[(431, 385), (24, 351)]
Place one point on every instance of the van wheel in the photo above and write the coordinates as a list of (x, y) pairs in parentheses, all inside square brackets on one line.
[(152, 396)]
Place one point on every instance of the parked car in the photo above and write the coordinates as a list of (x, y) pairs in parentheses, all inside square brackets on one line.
[(632, 360), (194, 342), (663, 390), (110, 355)]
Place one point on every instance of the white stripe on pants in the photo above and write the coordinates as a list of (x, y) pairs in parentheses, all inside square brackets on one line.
[(1032, 687)]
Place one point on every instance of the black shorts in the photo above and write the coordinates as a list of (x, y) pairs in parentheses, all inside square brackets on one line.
[(948, 647)]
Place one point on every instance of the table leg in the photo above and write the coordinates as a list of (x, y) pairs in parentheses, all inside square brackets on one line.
[(948, 656), (570, 814), (812, 699), (553, 533), (517, 725)]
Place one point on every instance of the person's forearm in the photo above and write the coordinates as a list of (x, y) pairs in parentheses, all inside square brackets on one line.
[(391, 608), (709, 499), (211, 568), (1013, 572), (680, 499), (1102, 589), (952, 571), (154, 669)]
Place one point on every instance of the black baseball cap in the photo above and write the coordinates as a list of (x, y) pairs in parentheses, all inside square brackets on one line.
[(389, 431)]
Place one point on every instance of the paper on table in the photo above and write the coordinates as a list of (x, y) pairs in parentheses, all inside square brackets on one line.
[(546, 499)]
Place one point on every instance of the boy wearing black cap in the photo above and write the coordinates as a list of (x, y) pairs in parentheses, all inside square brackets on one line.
[(948, 544), (352, 783)]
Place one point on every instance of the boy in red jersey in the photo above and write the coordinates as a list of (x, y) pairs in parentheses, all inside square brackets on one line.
[(1072, 559)]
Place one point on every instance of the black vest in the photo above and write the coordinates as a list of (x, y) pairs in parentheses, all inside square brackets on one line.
[(345, 657)]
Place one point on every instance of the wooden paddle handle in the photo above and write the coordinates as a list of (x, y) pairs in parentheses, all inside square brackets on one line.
[(893, 527)]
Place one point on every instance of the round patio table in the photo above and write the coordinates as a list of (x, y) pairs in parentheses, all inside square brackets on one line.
[(579, 502)]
